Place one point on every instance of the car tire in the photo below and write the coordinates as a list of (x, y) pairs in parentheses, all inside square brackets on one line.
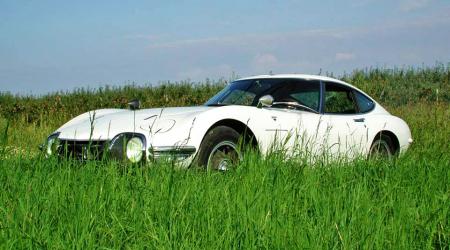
[(382, 147), (219, 149)]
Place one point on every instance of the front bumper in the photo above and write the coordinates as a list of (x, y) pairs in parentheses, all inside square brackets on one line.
[(115, 149), (94, 149)]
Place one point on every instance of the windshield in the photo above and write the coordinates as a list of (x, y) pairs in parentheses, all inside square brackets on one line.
[(243, 92)]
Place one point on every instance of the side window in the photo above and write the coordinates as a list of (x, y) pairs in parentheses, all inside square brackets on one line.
[(301, 91), (365, 104), (339, 99)]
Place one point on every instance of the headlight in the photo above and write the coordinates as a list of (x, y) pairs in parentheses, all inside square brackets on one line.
[(128, 146), (134, 149), (52, 145)]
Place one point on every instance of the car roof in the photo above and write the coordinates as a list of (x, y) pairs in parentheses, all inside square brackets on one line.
[(297, 76)]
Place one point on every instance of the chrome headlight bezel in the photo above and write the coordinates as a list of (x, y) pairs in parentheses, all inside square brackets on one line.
[(51, 145), (118, 146)]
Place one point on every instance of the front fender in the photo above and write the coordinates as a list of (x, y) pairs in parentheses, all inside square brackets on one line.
[(190, 131)]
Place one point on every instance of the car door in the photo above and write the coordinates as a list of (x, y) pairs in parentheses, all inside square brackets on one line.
[(345, 134), (294, 129)]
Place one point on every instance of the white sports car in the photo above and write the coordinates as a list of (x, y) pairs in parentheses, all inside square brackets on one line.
[(306, 115)]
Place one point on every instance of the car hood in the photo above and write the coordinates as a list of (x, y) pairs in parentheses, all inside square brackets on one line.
[(104, 124)]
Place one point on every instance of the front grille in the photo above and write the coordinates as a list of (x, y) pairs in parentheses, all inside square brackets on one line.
[(82, 150)]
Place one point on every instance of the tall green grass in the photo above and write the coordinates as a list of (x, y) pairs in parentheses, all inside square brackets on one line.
[(270, 203), (266, 202)]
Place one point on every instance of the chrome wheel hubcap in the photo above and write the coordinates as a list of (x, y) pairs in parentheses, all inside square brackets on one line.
[(381, 149), (223, 156)]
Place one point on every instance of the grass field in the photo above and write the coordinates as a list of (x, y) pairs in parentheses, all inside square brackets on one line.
[(265, 203)]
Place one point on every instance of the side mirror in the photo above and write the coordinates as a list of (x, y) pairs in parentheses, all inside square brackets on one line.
[(265, 101), (134, 104)]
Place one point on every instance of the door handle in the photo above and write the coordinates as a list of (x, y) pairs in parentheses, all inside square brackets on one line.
[(359, 120)]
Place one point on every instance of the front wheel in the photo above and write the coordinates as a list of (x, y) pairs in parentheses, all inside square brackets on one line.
[(219, 149), (382, 148)]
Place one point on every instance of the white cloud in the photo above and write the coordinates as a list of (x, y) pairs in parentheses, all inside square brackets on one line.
[(151, 38), (265, 62), (262, 40), (199, 73), (249, 39), (192, 42), (305, 51), (411, 5), (341, 56)]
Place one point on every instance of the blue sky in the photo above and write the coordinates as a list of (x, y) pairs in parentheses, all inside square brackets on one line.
[(46, 46)]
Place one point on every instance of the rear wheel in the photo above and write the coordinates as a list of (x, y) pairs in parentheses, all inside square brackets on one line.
[(382, 148), (219, 149)]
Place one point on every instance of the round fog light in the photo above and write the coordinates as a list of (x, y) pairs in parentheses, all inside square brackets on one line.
[(135, 150)]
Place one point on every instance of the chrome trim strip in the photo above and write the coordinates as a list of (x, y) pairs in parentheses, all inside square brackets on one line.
[(174, 149), (171, 151)]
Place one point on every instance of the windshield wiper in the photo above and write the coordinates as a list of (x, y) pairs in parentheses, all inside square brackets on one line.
[(296, 105)]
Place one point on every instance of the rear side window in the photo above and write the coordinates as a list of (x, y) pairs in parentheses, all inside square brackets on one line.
[(364, 103), (339, 99)]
